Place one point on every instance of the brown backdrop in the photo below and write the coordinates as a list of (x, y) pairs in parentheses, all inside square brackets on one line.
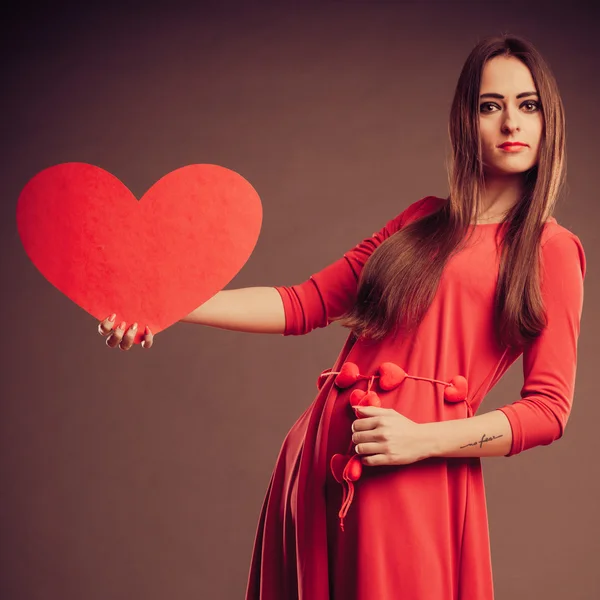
[(141, 474)]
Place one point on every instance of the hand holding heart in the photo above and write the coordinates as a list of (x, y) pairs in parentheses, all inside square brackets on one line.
[(385, 437), (151, 261), (122, 336)]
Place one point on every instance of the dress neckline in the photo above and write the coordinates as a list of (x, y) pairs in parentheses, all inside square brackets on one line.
[(496, 223)]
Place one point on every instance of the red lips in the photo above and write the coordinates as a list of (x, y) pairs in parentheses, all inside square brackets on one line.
[(507, 144)]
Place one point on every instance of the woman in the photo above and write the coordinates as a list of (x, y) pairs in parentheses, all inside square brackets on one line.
[(380, 495)]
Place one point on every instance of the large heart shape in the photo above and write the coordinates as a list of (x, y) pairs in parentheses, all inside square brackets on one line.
[(152, 261)]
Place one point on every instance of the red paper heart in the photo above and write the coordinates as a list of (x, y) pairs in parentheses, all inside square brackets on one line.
[(152, 261), (348, 375), (390, 375), (457, 391)]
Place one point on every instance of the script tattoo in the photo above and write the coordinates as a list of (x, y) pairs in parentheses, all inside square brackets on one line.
[(483, 439)]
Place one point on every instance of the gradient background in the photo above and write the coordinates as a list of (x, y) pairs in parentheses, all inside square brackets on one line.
[(141, 474)]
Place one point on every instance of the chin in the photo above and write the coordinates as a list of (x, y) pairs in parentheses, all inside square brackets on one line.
[(504, 169)]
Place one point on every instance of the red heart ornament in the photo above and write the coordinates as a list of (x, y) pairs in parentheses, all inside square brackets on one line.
[(353, 469), (362, 398), (348, 375), (390, 375), (152, 261), (370, 399), (356, 397), (338, 464), (457, 390)]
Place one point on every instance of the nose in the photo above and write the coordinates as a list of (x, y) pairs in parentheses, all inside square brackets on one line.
[(509, 123)]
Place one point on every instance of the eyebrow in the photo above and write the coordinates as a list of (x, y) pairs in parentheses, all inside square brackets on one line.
[(501, 97)]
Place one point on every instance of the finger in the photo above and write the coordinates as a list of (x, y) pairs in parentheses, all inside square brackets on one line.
[(148, 338), (373, 435), (128, 338), (371, 411), (375, 460), (369, 448), (365, 423), (106, 326), (112, 341)]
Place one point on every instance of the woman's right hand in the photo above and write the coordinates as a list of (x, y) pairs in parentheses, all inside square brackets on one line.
[(121, 337)]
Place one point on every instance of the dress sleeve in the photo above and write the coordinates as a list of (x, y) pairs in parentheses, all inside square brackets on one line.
[(550, 361), (328, 293)]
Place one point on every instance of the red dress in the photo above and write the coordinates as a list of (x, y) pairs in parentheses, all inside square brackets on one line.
[(418, 531)]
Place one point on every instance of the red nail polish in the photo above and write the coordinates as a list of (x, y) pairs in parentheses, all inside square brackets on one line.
[(112, 317), (122, 325)]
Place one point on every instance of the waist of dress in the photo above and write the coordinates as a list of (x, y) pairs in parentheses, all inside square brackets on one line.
[(389, 376)]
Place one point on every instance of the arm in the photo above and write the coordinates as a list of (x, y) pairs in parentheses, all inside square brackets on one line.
[(253, 309), (297, 309), (290, 310), (549, 368), (489, 434)]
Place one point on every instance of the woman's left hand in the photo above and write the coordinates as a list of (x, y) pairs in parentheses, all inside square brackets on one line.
[(382, 436)]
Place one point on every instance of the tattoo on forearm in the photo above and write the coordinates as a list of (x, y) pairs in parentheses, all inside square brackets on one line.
[(482, 440)]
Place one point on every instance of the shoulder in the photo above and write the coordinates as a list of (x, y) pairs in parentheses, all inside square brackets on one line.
[(421, 208), (561, 249), (414, 211)]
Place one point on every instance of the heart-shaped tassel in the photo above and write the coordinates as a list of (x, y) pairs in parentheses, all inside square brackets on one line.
[(390, 375), (370, 399), (338, 464), (356, 397), (348, 375), (457, 390), (353, 469)]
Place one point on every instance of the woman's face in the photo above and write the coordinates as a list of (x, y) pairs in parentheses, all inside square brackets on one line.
[(509, 111)]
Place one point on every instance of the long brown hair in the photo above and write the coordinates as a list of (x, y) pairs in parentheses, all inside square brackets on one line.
[(400, 279)]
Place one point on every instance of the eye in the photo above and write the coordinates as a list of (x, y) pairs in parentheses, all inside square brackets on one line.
[(536, 106), (533, 105), (483, 106)]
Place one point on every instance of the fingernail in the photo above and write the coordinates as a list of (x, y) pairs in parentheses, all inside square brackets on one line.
[(134, 326), (112, 317), (122, 325), (147, 330)]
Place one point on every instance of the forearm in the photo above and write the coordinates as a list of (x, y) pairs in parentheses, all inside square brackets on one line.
[(489, 434), (252, 309)]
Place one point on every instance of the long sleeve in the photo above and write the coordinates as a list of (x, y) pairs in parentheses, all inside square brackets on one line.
[(550, 362), (328, 293)]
